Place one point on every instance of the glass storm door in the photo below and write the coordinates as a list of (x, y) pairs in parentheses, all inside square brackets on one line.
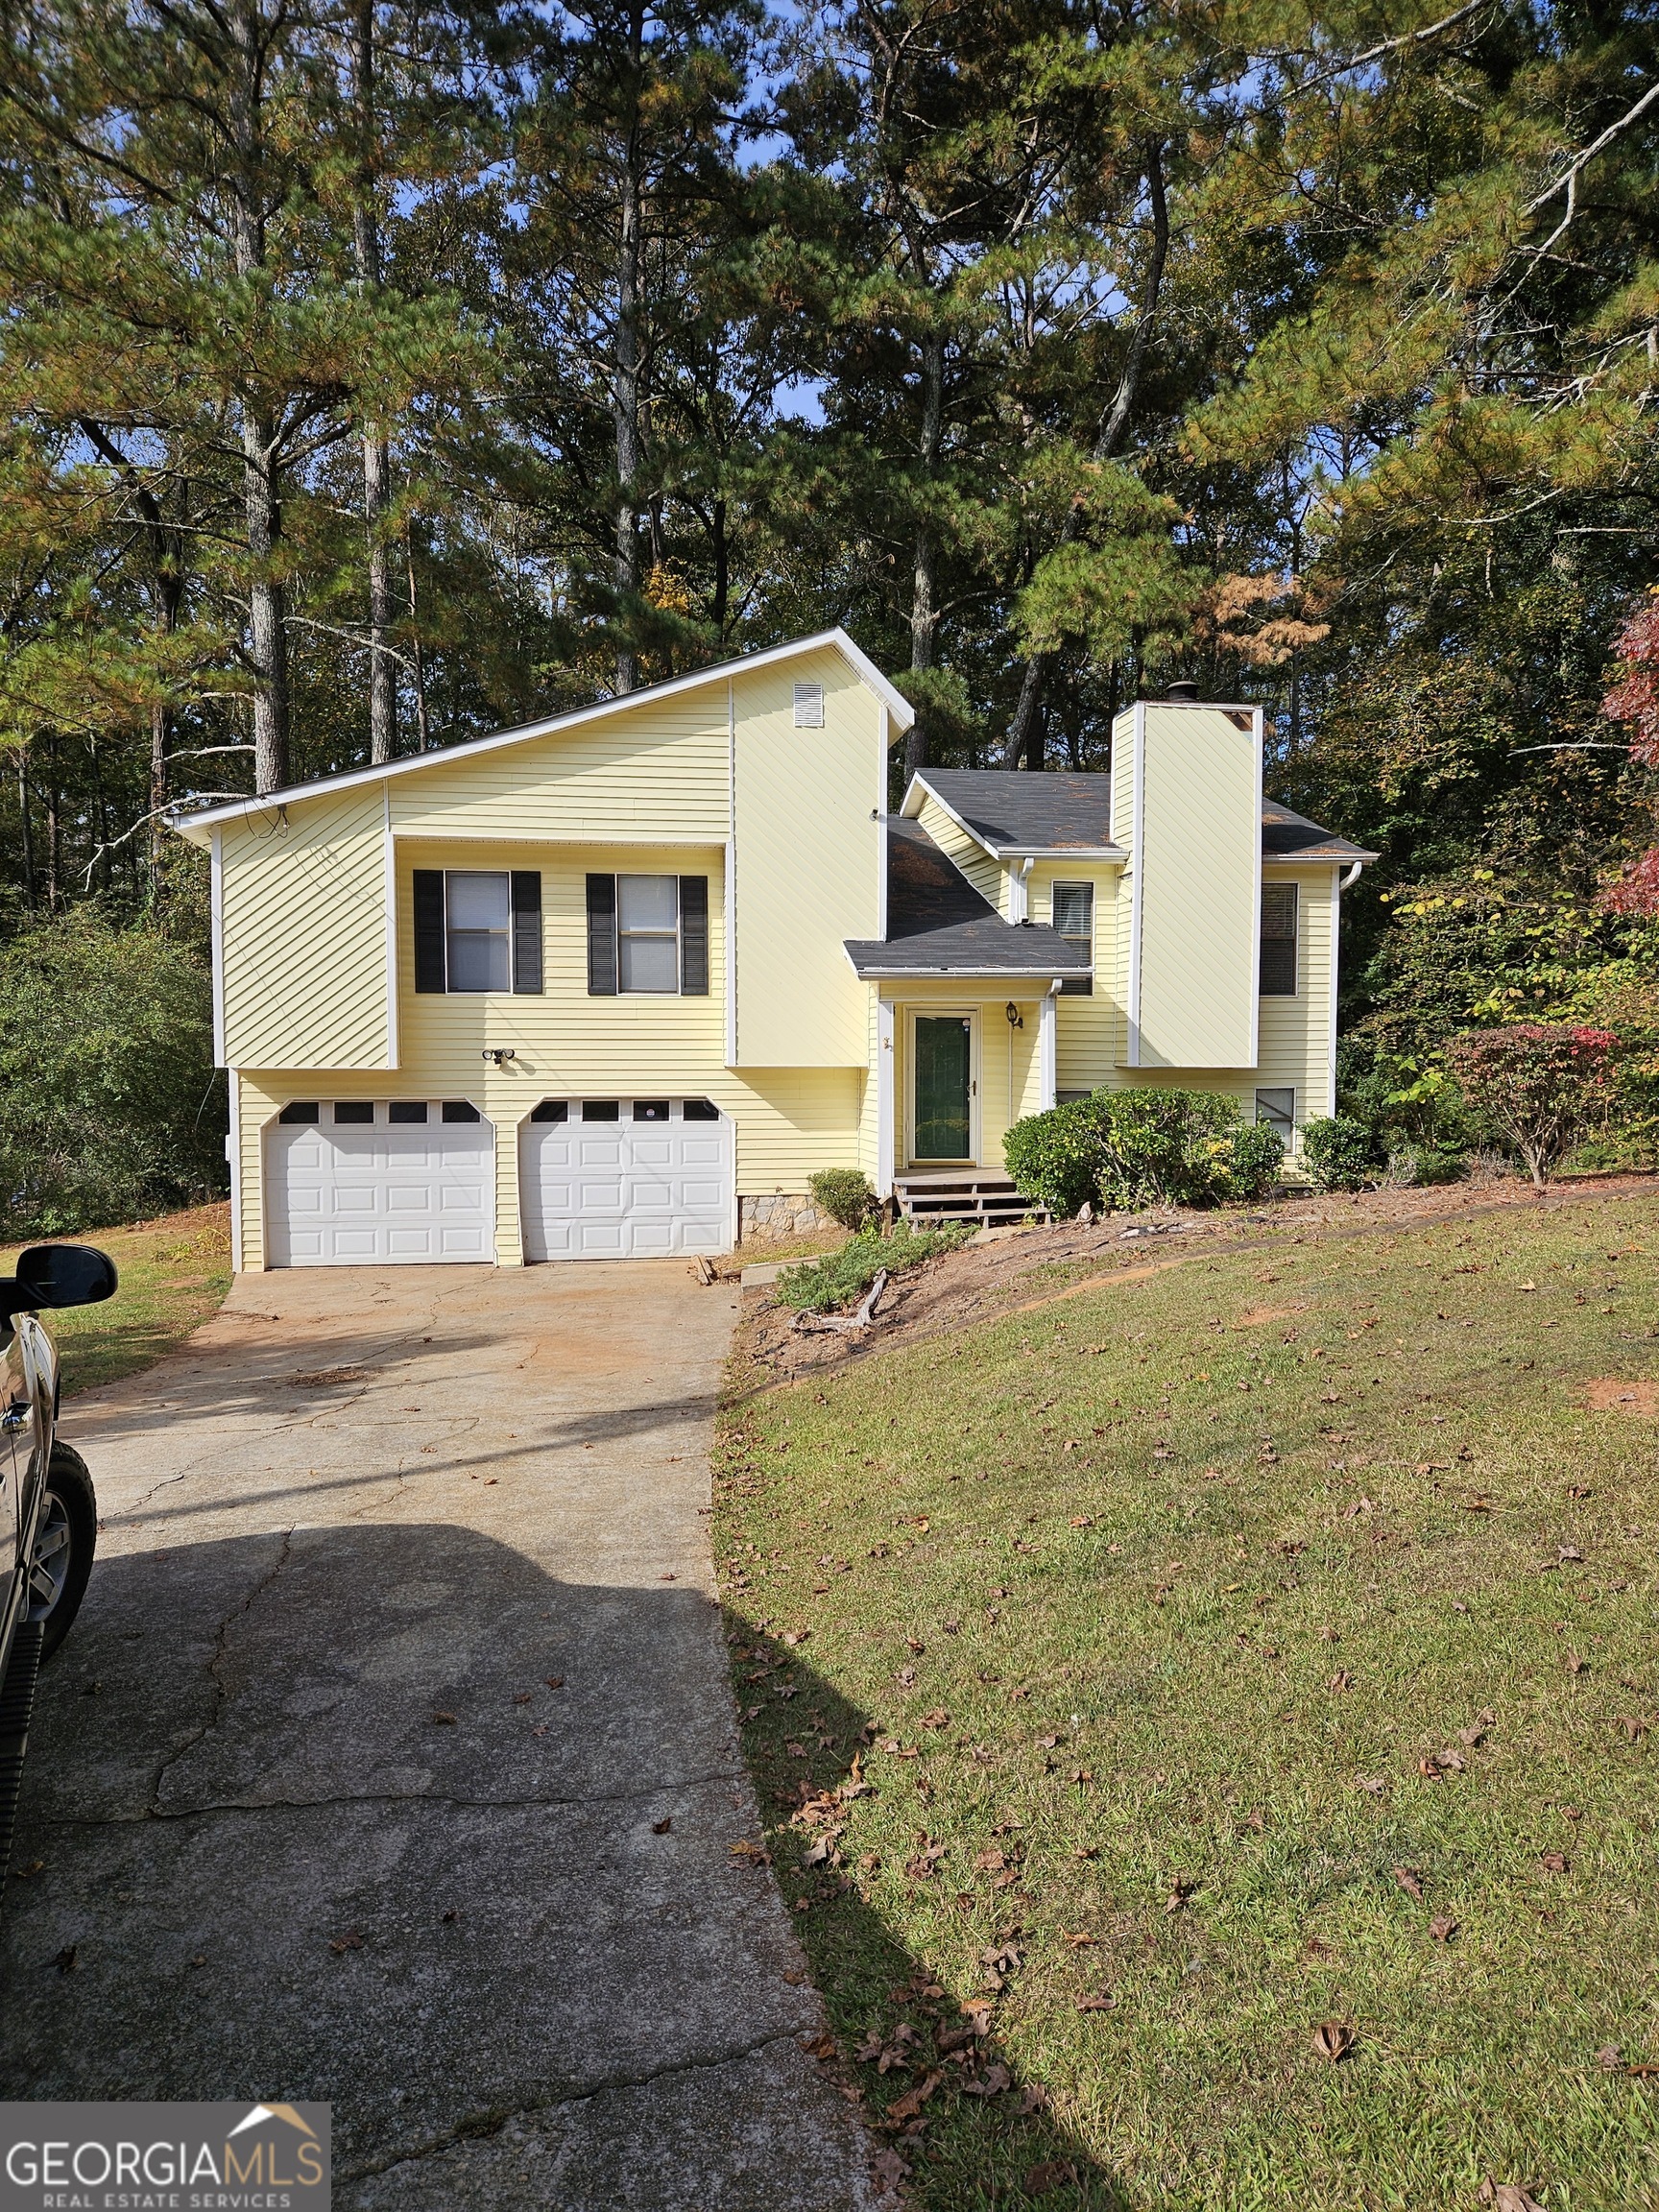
[(943, 1079)]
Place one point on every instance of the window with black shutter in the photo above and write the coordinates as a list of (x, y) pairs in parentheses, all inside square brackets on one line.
[(526, 929), (1278, 939), (430, 972), (694, 936), (601, 936)]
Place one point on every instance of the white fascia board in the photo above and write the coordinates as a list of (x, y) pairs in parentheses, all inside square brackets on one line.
[(919, 783), (194, 825), (1057, 852)]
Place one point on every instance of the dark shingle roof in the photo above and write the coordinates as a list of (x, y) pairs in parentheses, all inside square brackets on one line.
[(1287, 836), (1013, 810), (938, 925)]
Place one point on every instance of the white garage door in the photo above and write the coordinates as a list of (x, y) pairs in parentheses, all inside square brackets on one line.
[(625, 1178), (401, 1180)]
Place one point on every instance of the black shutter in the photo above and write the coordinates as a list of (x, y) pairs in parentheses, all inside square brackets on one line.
[(601, 936), (694, 936), (429, 929), (526, 929)]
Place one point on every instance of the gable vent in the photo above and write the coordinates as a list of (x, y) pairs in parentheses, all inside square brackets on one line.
[(808, 705)]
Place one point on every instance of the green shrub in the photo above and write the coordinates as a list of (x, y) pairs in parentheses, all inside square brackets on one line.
[(109, 1105), (1415, 1167), (845, 1193), (1339, 1153), (842, 1278), (1127, 1148), (1256, 1159), (1055, 1157)]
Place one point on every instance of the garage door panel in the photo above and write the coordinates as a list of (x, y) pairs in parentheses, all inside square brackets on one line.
[(362, 1193), (625, 1188)]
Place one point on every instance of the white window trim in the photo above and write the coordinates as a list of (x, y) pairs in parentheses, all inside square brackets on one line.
[(489, 990), (658, 936)]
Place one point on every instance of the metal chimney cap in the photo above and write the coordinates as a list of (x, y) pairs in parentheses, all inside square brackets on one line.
[(1183, 692)]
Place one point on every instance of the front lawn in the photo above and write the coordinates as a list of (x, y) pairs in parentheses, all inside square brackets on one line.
[(1248, 1663), (174, 1271)]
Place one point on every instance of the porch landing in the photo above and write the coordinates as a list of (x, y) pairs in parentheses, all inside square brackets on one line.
[(963, 1194)]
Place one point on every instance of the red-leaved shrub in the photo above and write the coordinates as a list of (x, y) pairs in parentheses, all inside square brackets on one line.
[(1537, 1085)]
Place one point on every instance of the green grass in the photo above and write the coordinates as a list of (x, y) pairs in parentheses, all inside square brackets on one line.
[(174, 1271), (840, 1278), (1172, 1607)]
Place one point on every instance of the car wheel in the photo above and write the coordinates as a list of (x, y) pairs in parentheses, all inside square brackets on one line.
[(60, 1558)]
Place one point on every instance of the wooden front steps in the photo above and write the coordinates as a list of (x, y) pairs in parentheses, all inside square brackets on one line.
[(963, 1194)]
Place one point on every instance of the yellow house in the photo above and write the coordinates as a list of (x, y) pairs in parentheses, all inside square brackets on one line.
[(619, 983)]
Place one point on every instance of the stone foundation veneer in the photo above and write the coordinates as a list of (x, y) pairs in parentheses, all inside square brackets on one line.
[(775, 1214)]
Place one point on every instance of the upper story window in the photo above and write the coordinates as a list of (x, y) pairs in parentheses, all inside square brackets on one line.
[(1278, 939), (477, 929), (647, 935), (1074, 916)]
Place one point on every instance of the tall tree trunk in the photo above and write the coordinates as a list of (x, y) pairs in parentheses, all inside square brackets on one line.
[(1020, 730), (267, 610), (625, 381), (28, 842), (422, 729), (377, 450), (722, 598), (924, 576), (54, 827)]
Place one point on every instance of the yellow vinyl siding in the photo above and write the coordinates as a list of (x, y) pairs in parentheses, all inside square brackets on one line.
[(1296, 1048), (870, 1099), (303, 935), (807, 856), (1195, 880), (787, 1122), (1089, 1033), (658, 771), (988, 877)]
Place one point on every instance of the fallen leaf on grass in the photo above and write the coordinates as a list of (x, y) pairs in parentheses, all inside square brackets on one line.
[(1100, 2001), (1340, 1680), (1410, 1880), (1033, 2097), (1575, 1665), (1609, 2057), (907, 2106), (1334, 2040), (1052, 2174), (1508, 2196), (1552, 1862), (991, 2084), (887, 2170), (1442, 1928)]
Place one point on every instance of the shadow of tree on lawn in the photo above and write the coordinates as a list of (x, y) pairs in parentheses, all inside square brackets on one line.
[(958, 2126)]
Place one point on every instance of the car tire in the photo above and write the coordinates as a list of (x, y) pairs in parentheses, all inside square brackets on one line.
[(66, 1537)]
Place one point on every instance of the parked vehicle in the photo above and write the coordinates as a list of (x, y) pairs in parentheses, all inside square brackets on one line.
[(48, 1513)]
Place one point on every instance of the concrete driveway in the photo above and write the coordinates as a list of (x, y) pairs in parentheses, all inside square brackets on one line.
[(311, 1820)]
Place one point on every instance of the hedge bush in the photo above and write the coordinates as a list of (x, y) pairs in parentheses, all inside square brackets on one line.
[(1341, 1153), (845, 1193), (842, 1278), (109, 1105), (1128, 1148)]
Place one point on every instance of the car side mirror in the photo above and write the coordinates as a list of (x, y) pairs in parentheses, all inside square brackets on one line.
[(64, 1274)]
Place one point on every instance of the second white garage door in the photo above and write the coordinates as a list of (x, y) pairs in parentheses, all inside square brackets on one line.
[(625, 1179), (403, 1180)]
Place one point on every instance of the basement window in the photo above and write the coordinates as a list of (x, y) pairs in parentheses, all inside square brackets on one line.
[(1277, 1109)]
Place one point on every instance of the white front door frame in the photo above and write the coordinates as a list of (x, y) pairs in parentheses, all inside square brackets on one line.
[(970, 1015)]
